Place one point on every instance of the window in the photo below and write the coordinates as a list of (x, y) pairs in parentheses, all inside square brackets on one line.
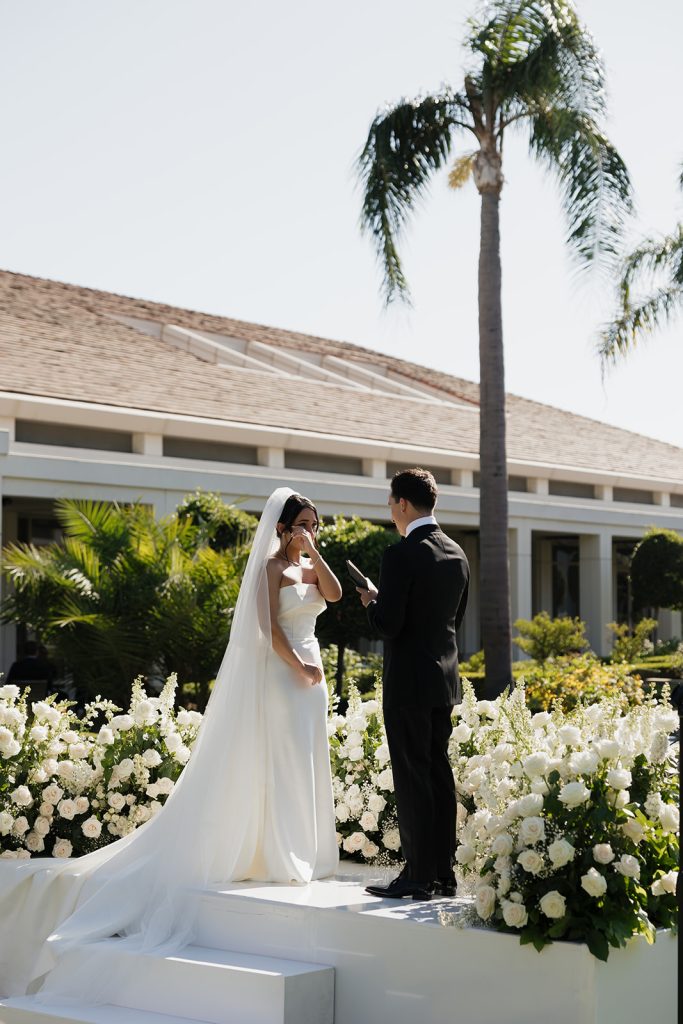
[(66, 435), (677, 500), (633, 495), (321, 463), (211, 451), (565, 576), (441, 474), (570, 489)]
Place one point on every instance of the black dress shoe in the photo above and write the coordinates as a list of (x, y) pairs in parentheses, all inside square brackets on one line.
[(445, 887), (401, 888)]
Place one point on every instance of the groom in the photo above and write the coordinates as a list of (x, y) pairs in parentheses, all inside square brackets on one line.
[(417, 609)]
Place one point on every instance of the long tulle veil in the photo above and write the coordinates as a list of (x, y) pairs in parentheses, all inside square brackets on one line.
[(143, 887)]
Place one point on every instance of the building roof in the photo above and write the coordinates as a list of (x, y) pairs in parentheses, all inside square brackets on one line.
[(78, 344)]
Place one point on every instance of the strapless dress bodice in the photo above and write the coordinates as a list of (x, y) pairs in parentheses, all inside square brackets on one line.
[(300, 606)]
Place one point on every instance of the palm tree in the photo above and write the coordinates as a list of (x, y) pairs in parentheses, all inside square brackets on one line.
[(533, 67), (659, 261)]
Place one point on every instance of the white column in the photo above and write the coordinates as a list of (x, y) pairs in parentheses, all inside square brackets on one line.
[(148, 444), (520, 575), (376, 468), (462, 477), (668, 624), (604, 492), (662, 498), (274, 458), (596, 597), (536, 485)]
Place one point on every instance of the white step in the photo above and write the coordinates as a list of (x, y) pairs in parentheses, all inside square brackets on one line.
[(25, 1010), (212, 985)]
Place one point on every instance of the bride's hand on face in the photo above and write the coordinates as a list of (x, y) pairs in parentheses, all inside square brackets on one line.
[(310, 675), (307, 541)]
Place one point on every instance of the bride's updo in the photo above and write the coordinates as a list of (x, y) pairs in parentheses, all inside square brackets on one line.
[(295, 504)]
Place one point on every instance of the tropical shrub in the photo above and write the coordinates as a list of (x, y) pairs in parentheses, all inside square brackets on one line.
[(345, 622), (569, 821), (579, 679), (543, 637), (657, 570), (363, 670), (632, 644)]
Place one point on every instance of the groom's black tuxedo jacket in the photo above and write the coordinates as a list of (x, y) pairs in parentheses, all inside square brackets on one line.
[(421, 602)]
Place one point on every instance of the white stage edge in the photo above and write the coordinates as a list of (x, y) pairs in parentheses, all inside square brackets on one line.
[(263, 954)]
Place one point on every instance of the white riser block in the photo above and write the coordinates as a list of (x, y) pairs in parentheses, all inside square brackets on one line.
[(25, 1010), (211, 985)]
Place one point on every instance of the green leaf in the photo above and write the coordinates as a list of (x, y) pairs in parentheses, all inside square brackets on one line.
[(597, 943)]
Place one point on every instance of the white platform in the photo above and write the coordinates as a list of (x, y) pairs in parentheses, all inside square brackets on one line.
[(394, 963)]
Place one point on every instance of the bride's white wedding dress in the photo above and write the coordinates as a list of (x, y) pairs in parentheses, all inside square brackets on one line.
[(254, 801)]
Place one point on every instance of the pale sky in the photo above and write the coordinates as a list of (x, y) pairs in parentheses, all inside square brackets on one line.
[(201, 153)]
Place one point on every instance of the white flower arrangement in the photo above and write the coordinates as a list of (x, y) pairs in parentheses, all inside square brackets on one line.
[(570, 821)]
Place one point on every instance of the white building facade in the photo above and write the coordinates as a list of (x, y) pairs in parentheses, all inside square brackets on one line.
[(108, 398)]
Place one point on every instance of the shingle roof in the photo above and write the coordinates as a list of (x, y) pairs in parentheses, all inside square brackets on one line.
[(67, 342)]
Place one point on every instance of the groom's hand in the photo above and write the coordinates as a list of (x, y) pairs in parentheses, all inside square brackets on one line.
[(367, 595)]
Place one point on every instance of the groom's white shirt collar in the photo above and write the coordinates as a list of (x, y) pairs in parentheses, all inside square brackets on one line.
[(423, 521)]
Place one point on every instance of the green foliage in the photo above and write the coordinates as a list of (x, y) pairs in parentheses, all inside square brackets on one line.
[(362, 670), (125, 595), (474, 666), (579, 679), (543, 637), (657, 570), (362, 542), (219, 525), (631, 644)]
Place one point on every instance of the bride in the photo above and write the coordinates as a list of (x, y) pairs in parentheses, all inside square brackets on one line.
[(255, 800)]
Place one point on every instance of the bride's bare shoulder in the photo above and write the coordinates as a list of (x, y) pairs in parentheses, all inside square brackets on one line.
[(275, 567)]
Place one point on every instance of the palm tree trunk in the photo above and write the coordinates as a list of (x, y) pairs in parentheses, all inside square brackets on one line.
[(493, 494)]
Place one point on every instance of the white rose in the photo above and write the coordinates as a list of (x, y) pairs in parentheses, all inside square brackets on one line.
[(603, 853), (6, 822), (82, 804), (514, 914), (569, 735), (62, 848), (618, 798), (502, 845), (382, 754), (608, 750), (530, 804), (49, 766), (583, 762), (465, 853), (144, 713), (541, 719), (385, 780), (531, 861), (91, 828), (633, 830), (461, 733), (561, 852), (105, 736), (45, 713), (151, 758), (9, 692), (669, 816), (39, 733), (539, 785), (619, 778), (354, 842), (53, 793), (356, 754), (67, 809), (117, 801), (124, 769), (65, 769), (78, 751), (485, 709), (535, 764), (368, 822), (628, 866), (122, 723), (21, 796), (34, 842), (485, 901), (502, 753), (342, 812), (11, 748), (553, 904), (666, 719), (369, 849), (376, 803), (173, 742), (20, 826), (665, 884), (182, 755), (46, 809), (391, 839), (41, 825), (371, 706), (574, 793), (165, 785), (594, 883), (532, 830)]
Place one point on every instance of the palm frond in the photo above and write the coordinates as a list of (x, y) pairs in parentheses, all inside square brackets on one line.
[(461, 171), (623, 334), (81, 518), (405, 146), (594, 181)]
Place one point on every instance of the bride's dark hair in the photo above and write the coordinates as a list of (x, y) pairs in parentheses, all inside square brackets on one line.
[(295, 504)]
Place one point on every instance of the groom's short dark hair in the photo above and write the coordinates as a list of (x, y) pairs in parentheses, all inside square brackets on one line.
[(417, 486)]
